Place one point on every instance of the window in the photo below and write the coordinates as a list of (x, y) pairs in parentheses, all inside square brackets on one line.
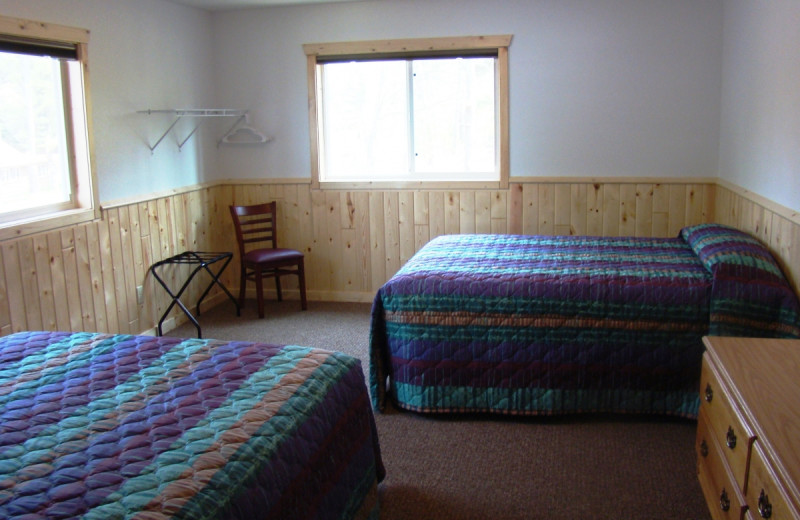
[(434, 111), (45, 166)]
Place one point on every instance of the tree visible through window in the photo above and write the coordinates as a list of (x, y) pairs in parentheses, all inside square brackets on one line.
[(434, 111)]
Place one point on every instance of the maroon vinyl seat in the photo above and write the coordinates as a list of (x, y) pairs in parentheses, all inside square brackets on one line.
[(272, 255), (260, 255)]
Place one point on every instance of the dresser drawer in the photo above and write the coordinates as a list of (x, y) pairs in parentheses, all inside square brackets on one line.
[(752, 381), (723, 496), (733, 436), (764, 495)]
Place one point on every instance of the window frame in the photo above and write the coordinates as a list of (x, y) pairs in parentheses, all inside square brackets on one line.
[(316, 53), (85, 205)]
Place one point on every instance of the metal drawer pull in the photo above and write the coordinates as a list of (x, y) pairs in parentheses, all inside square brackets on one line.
[(730, 438), (703, 448), (764, 507), (724, 501), (709, 393)]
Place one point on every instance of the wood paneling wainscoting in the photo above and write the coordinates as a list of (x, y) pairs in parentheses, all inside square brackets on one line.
[(85, 277), (356, 240)]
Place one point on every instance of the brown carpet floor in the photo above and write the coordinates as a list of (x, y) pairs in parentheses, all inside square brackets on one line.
[(466, 467)]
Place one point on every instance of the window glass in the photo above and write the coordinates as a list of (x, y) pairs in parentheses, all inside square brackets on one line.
[(454, 118), (45, 161), (398, 113), (34, 165), (365, 120), (415, 119)]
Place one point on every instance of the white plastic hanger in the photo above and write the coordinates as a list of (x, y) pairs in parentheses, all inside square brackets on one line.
[(244, 134)]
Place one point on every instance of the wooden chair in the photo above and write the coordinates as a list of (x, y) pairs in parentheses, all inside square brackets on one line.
[(260, 255)]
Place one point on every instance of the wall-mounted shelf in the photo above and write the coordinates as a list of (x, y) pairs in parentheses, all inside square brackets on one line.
[(200, 113)]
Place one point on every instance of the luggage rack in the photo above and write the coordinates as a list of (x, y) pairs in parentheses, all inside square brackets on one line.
[(202, 260)]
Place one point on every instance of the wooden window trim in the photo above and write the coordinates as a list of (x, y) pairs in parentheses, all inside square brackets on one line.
[(319, 52), (87, 205)]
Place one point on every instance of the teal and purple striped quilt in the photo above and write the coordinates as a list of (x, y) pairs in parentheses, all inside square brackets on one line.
[(101, 426), (545, 325)]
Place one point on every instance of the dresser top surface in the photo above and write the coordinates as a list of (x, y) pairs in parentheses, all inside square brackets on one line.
[(763, 376)]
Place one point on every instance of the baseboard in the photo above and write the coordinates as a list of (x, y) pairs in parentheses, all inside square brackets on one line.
[(179, 318)]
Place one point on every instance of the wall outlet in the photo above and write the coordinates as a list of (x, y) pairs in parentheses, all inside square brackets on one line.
[(140, 294)]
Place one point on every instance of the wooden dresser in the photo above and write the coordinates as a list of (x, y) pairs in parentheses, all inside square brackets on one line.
[(748, 435)]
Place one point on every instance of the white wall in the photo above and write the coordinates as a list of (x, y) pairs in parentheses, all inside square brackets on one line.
[(142, 54), (598, 87), (760, 124)]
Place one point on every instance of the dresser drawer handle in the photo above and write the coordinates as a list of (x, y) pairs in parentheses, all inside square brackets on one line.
[(709, 393), (703, 448), (724, 501), (730, 438), (764, 507)]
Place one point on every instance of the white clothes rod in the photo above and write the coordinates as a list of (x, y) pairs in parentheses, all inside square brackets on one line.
[(180, 113)]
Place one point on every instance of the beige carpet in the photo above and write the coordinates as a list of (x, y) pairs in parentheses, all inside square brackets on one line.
[(465, 468)]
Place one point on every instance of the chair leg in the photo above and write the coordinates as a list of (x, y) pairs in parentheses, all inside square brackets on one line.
[(242, 282), (301, 275), (278, 287), (259, 292)]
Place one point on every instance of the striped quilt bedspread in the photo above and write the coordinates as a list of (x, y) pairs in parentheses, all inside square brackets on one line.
[(103, 426), (547, 325)]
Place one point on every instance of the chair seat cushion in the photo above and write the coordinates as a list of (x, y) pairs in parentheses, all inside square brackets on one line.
[(258, 256)]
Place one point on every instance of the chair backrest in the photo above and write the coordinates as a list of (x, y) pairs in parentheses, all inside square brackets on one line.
[(255, 226)]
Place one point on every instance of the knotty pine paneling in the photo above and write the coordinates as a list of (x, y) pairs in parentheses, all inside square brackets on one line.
[(775, 226), (84, 277), (356, 240)]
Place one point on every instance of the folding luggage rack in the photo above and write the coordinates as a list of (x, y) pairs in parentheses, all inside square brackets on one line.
[(202, 261)]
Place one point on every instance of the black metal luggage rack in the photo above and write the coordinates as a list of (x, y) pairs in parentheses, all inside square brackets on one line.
[(202, 260)]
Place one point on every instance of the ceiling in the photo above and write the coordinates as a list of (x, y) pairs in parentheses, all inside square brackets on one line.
[(222, 5)]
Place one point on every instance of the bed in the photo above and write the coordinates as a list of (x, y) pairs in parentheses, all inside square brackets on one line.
[(103, 426), (535, 325)]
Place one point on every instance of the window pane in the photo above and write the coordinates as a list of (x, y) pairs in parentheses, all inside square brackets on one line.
[(365, 120), (34, 167), (454, 117)]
